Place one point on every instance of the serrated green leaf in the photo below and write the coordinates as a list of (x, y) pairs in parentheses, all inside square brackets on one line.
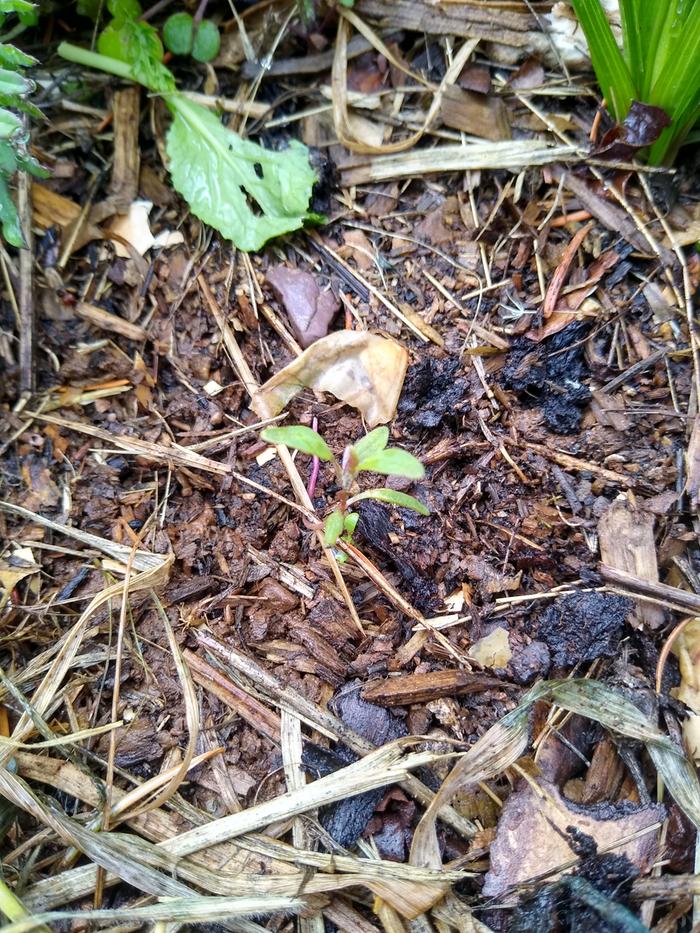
[(9, 219), (215, 171), (29, 164), (10, 124), (372, 443), (206, 42), (394, 461), (16, 6), (393, 497), (24, 106), (14, 84), (178, 33), (124, 9), (301, 438), (12, 57), (332, 528)]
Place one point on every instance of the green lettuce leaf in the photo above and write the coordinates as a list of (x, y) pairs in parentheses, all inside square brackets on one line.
[(249, 194)]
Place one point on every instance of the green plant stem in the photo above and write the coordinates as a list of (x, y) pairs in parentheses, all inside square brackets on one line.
[(73, 53)]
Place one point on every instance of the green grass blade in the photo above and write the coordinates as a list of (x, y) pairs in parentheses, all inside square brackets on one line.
[(657, 16), (610, 67), (677, 87), (671, 36), (632, 16)]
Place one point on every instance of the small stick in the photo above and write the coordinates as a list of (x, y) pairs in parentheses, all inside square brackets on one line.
[(315, 466), (26, 289)]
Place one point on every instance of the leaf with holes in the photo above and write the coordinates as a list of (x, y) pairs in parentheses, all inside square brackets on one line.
[(249, 194)]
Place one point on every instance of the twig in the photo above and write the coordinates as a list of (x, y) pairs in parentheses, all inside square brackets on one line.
[(26, 288)]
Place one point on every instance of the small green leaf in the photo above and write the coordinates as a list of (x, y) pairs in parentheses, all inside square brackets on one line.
[(393, 497), (14, 84), (350, 524), (394, 461), (207, 42), (332, 528), (371, 443), (301, 438), (247, 193), (10, 124), (124, 9), (9, 220), (89, 8), (17, 6), (12, 57), (178, 33)]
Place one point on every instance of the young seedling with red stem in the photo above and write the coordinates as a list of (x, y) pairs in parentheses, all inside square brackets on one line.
[(370, 454)]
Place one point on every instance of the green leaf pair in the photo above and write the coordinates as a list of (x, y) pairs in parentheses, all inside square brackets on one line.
[(182, 37), (659, 64), (369, 454), (339, 525)]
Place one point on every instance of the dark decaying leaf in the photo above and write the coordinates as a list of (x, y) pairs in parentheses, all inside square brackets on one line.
[(310, 309), (347, 819), (531, 835), (641, 127), (583, 626), (433, 391)]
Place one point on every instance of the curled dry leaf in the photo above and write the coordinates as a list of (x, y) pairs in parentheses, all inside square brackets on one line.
[(310, 310), (686, 647), (531, 838), (135, 229), (360, 368), (641, 127), (492, 650)]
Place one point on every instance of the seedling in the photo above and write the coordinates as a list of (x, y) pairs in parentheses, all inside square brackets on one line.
[(659, 64), (183, 35), (370, 454)]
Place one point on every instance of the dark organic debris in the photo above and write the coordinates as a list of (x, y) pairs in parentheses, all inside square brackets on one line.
[(551, 375), (583, 626), (375, 723), (347, 819), (374, 526), (432, 391)]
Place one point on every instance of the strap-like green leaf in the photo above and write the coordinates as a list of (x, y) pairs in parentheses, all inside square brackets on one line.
[(394, 461), (393, 497), (332, 528), (304, 439), (371, 443)]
